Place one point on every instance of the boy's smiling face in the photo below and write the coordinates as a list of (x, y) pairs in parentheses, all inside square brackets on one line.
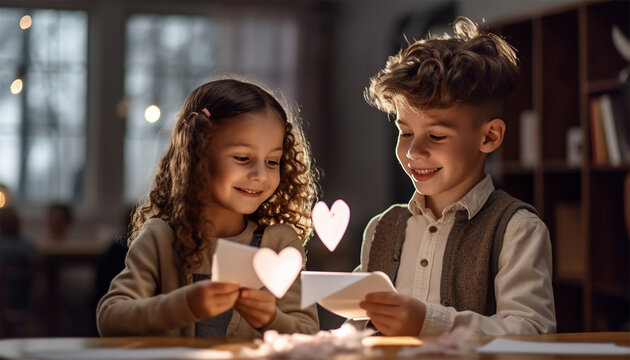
[(444, 151)]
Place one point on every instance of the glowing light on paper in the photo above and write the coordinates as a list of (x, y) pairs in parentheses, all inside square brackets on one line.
[(3, 199), (392, 341), (331, 225), (277, 271)]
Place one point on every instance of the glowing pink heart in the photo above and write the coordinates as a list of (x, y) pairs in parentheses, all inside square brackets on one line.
[(331, 225), (277, 271)]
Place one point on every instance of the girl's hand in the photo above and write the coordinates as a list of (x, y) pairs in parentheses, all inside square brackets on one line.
[(208, 298), (395, 314), (258, 307)]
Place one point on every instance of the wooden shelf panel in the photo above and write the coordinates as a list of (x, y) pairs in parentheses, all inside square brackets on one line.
[(519, 185), (560, 83), (603, 60), (519, 35), (609, 243), (612, 290), (568, 301), (557, 83), (609, 313), (598, 87)]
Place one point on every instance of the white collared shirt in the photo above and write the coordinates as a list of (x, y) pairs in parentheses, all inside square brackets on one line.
[(523, 288)]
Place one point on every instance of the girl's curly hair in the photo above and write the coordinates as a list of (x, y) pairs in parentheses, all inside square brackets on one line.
[(472, 66), (184, 170)]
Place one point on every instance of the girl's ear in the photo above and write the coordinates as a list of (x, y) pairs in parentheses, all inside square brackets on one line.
[(493, 132)]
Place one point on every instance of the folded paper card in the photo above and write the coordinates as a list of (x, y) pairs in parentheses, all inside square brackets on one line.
[(254, 267), (233, 262), (278, 271), (341, 292)]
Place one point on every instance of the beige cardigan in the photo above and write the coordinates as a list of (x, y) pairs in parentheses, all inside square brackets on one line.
[(146, 298)]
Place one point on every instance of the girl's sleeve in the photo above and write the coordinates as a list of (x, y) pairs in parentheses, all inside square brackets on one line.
[(135, 304), (289, 317)]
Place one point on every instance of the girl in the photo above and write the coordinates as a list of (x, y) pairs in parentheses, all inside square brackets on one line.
[(238, 167)]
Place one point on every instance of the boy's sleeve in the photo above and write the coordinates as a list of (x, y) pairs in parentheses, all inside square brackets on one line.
[(368, 235), (522, 286)]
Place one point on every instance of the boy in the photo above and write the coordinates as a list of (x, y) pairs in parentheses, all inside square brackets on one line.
[(460, 253)]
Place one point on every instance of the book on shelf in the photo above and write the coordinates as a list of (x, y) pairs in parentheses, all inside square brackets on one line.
[(608, 122), (598, 139), (610, 116), (620, 104)]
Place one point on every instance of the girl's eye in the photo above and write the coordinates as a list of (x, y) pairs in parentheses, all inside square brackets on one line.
[(241, 158), (404, 134), (437, 138), (273, 163)]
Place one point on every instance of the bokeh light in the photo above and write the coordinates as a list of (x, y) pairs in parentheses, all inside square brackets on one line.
[(26, 22), (16, 86), (152, 113)]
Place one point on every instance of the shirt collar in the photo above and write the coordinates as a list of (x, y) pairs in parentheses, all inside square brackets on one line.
[(472, 202)]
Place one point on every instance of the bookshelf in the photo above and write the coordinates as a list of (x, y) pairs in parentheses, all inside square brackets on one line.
[(567, 59)]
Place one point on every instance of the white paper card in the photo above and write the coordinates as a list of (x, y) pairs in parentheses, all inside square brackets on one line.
[(142, 353), (341, 292), (233, 262), (534, 347)]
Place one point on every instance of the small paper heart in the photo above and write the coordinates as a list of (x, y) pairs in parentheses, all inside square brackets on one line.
[(278, 271), (331, 225)]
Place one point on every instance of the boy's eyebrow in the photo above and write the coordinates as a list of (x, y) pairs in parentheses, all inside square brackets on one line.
[(448, 124)]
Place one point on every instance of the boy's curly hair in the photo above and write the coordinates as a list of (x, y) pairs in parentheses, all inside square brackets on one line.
[(472, 66), (185, 168)]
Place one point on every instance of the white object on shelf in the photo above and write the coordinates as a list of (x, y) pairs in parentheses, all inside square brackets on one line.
[(529, 139), (574, 146)]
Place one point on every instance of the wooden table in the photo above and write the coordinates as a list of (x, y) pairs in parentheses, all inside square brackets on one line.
[(14, 348)]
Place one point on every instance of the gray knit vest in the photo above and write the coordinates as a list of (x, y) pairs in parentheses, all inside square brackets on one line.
[(471, 255)]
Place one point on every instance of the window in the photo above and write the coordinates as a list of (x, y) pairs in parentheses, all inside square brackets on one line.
[(43, 80), (168, 56)]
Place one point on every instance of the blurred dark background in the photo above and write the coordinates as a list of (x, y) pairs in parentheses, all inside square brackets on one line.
[(81, 83)]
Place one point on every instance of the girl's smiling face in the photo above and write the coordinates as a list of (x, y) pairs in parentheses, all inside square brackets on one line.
[(441, 152), (245, 152)]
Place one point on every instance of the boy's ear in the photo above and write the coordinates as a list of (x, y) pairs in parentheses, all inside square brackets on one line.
[(493, 132)]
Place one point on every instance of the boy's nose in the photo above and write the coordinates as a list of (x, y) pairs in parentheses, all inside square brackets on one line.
[(417, 150)]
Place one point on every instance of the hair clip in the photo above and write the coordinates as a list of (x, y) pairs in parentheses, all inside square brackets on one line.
[(192, 113), (205, 111)]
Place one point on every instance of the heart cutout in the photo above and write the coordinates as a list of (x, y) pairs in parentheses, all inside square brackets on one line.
[(331, 225), (277, 271)]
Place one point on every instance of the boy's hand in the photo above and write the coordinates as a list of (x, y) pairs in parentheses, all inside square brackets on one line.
[(258, 307), (395, 314), (208, 298)]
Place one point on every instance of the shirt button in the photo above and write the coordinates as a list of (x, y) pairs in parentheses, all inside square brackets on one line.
[(446, 302), (396, 257), (424, 262), (432, 229)]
